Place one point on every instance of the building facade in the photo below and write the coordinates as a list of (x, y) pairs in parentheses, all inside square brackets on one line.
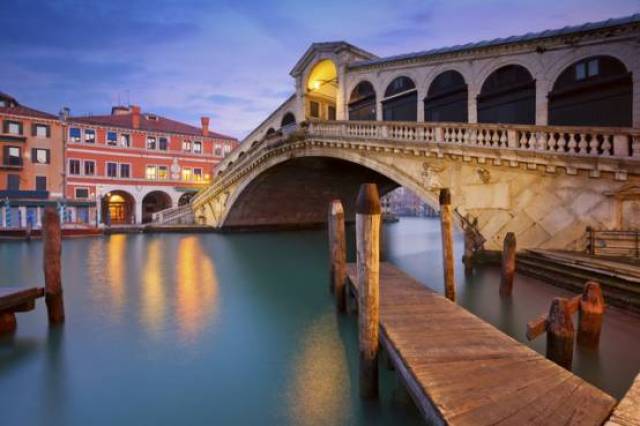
[(31, 171), (129, 164)]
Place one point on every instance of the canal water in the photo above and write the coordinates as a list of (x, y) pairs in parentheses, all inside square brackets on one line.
[(235, 329)]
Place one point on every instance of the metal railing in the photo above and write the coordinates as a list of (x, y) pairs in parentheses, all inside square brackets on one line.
[(622, 242)]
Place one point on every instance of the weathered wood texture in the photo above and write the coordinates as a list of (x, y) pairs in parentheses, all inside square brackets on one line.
[(12, 300), (368, 264), (337, 253), (467, 258), (52, 250), (508, 264), (446, 228), (627, 413), (461, 370), (560, 333)]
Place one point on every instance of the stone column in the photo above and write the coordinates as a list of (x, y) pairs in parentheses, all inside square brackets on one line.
[(472, 105), (636, 98), (421, 95), (341, 96), (378, 108), (542, 102)]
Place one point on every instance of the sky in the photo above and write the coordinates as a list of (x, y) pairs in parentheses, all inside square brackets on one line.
[(230, 60)]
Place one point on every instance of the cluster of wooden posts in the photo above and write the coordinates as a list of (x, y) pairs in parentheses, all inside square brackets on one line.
[(557, 324), (23, 299)]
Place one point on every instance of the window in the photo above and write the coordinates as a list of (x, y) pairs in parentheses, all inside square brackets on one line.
[(186, 174), (151, 142), (197, 174), (75, 134), (218, 151), (40, 130), (112, 138), (112, 170), (331, 112), (163, 172), (40, 156), (13, 182), (125, 170), (82, 193), (125, 140), (163, 144), (150, 172), (593, 68), (74, 167), (89, 136), (13, 127), (41, 183), (12, 156), (186, 146), (314, 109), (89, 168), (197, 147)]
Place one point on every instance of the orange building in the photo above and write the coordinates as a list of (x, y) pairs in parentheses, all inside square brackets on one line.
[(129, 164), (31, 171)]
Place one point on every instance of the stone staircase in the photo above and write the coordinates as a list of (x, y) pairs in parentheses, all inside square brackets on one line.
[(619, 278), (181, 215)]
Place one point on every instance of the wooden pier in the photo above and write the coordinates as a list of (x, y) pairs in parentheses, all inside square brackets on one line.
[(460, 370)]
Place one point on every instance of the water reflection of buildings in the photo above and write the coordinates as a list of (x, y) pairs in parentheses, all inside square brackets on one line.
[(196, 289), (153, 296), (402, 202)]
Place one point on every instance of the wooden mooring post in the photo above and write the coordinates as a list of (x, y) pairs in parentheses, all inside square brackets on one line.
[(368, 267), (446, 227), (467, 258), (337, 254), (52, 249), (508, 265), (559, 326)]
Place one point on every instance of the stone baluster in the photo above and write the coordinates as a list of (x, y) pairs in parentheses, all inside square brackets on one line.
[(503, 139), (606, 145), (635, 147), (593, 145), (572, 143), (495, 139), (531, 143), (562, 142), (480, 137), (542, 141), (582, 145), (552, 142)]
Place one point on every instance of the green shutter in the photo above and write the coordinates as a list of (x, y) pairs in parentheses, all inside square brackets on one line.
[(34, 155)]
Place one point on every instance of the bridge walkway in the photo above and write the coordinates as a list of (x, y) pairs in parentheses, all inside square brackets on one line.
[(460, 370)]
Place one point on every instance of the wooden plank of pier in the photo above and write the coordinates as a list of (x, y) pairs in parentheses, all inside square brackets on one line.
[(460, 370), (16, 299)]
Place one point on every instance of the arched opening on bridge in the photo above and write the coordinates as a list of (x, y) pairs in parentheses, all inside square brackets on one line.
[(117, 208), (186, 198), (271, 130), (596, 91), (321, 91), (362, 102), (402, 202), (153, 202), (254, 143), (447, 98), (400, 101), (508, 96), (288, 120)]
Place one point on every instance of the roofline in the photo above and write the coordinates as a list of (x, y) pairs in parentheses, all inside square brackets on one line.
[(50, 117), (336, 46), (630, 21), (269, 117)]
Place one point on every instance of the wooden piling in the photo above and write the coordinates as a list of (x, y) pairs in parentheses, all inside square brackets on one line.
[(368, 266), (52, 249), (446, 227), (337, 254), (467, 258), (7, 322), (508, 264), (591, 315), (560, 333)]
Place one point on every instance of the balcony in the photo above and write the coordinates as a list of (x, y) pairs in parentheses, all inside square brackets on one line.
[(14, 194), (12, 163)]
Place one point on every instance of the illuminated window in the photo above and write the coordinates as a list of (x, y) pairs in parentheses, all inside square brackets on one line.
[(197, 147), (186, 174), (75, 134), (186, 146), (125, 140), (151, 172), (112, 170), (314, 109), (163, 172), (151, 142), (197, 174), (89, 136), (112, 138), (163, 144)]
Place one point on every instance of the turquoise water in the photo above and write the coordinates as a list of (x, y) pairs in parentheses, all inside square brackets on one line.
[(234, 329)]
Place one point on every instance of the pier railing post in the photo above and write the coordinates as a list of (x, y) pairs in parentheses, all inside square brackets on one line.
[(590, 316), (337, 253), (368, 277), (446, 227), (560, 333), (52, 249), (508, 264)]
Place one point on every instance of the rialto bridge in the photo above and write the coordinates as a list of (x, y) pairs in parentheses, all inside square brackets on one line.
[(536, 134)]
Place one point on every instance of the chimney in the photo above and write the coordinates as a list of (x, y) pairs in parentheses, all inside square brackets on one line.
[(64, 114), (205, 125), (135, 116)]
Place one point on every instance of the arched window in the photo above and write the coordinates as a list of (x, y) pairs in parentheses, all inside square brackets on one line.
[(400, 101), (447, 98), (288, 119), (596, 91), (362, 103), (508, 95), (271, 131)]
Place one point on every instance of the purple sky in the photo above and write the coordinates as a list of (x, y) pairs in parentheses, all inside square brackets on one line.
[(231, 59)]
